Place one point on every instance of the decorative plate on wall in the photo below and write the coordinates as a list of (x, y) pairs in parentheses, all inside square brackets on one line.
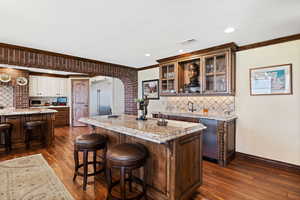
[(5, 78), (22, 81)]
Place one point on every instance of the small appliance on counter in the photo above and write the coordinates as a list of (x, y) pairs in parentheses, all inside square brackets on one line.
[(62, 101), (35, 103)]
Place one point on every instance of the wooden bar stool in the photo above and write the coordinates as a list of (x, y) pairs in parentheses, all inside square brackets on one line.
[(5, 132), (89, 143), (127, 157), (30, 128)]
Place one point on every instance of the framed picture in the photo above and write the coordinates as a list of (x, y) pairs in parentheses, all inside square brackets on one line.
[(272, 80), (151, 89)]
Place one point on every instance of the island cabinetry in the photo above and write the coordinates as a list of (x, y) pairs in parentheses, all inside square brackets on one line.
[(174, 168), (210, 72), (62, 117), (18, 131), (218, 137), (17, 135)]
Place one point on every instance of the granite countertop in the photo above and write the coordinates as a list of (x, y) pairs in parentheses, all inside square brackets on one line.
[(147, 130), (50, 106), (25, 111), (219, 117)]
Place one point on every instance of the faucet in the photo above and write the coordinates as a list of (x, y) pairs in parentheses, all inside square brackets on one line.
[(191, 108)]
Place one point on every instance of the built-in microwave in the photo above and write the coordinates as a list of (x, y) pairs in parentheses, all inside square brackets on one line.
[(35, 103)]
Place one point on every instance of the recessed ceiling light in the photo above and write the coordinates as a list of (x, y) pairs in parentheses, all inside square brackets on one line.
[(180, 50), (147, 54), (229, 30)]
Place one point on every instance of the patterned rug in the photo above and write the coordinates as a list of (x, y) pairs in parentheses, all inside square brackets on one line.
[(30, 178)]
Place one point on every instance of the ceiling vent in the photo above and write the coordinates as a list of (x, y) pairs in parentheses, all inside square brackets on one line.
[(187, 42)]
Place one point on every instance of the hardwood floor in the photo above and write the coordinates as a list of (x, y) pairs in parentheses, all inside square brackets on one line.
[(241, 180)]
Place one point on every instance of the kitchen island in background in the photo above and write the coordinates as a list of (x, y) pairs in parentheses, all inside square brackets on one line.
[(18, 117), (175, 163)]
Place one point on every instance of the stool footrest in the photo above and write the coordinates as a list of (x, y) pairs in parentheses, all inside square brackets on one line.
[(133, 179), (90, 174)]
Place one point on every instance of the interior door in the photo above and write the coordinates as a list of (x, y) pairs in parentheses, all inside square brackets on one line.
[(80, 100)]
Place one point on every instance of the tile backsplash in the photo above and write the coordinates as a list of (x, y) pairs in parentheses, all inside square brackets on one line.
[(6, 96), (215, 104)]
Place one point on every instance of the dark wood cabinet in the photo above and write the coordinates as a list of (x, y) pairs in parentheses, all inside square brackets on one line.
[(218, 139), (215, 71), (18, 121), (17, 135), (62, 117)]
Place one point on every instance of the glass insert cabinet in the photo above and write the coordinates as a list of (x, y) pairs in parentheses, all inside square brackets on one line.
[(197, 73)]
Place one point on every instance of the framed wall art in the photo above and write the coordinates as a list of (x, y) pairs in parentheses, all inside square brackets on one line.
[(150, 88), (271, 80)]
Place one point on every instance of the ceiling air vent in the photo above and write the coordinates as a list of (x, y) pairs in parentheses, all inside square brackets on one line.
[(187, 42)]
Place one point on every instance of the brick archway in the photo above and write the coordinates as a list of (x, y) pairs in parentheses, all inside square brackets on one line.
[(23, 56)]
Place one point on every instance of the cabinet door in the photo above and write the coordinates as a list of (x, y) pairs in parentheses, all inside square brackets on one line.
[(33, 86), (17, 132), (43, 86), (62, 87), (216, 73)]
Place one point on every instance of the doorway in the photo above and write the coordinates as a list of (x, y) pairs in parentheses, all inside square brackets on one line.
[(80, 100)]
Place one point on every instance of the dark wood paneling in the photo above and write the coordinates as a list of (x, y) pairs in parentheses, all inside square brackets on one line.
[(50, 53)]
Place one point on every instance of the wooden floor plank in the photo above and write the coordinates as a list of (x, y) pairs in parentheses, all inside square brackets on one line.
[(241, 180)]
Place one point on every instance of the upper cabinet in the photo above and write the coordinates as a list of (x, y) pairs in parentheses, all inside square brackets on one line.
[(199, 73), (43, 86)]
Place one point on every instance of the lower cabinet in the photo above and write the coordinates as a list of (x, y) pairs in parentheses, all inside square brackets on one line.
[(218, 138), (62, 117), (18, 130)]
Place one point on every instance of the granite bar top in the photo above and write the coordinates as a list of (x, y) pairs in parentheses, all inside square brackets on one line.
[(25, 111), (219, 117), (50, 107), (147, 130)]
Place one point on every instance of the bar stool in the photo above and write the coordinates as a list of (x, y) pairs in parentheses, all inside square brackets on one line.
[(6, 130), (127, 157), (30, 128), (89, 143)]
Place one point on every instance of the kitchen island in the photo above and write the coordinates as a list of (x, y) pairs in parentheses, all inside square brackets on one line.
[(175, 163), (18, 117)]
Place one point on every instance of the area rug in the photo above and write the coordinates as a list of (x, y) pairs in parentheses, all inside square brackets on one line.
[(30, 178)]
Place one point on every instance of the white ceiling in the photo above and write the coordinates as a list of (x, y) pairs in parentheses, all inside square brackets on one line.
[(124, 31)]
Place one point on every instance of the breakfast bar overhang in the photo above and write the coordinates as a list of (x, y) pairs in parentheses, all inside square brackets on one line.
[(175, 162)]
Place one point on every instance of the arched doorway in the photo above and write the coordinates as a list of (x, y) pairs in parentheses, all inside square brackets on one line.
[(22, 56)]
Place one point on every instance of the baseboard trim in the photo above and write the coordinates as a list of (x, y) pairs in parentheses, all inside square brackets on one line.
[(273, 163)]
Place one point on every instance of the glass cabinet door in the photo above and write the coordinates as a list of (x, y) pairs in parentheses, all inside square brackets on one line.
[(209, 74), (168, 76), (215, 73)]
